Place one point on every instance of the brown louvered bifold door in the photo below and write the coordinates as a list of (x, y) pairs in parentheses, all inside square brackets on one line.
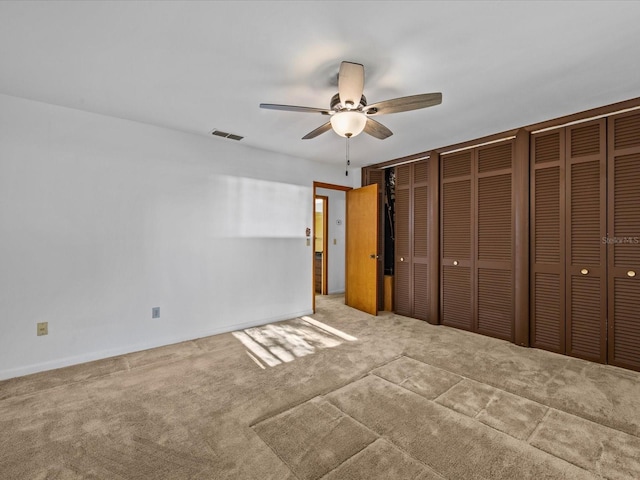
[(411, 242), (494, 225), (420, 211), (586, 307), (548, 241), (402, 264), (456, 286), (623, 240)]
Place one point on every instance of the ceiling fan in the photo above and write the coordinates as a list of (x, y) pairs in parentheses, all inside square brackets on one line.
[(350, 114)]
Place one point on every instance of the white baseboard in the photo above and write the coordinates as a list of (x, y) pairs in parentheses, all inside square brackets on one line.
[(160, 342)]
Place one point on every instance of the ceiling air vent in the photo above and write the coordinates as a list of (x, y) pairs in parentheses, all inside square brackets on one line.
[(220, 133)]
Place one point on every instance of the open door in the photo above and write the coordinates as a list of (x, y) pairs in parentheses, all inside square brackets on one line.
[(361, 290)]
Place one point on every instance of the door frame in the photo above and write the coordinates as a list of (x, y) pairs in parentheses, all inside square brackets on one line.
[(328, 186), (325, 241)]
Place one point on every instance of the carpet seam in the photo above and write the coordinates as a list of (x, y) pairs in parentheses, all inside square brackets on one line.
[(522, 396), (387, 439), (383, 437), (538, 426), (275, 453), (265, 417), (564, 459), (480, 423), (356, 453)]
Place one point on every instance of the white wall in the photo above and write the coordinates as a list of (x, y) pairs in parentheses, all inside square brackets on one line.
[(102, 219), (336, 254)]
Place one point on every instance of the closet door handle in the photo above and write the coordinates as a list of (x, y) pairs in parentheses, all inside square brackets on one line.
[(584, 271), (402, 259), (455, 262), (631, 273)]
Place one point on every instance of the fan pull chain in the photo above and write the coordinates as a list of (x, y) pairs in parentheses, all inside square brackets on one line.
[(346, 172)]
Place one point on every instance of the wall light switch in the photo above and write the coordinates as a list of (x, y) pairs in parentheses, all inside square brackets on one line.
[(308, 242), (335, 242), (43, 328), (155, 312)]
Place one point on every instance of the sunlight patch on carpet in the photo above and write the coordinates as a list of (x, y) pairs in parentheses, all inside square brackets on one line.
[(274, 344)]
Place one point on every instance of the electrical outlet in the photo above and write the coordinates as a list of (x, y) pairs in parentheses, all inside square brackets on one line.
[(308, 242), (43, 328), (335, 241), (155, 312)]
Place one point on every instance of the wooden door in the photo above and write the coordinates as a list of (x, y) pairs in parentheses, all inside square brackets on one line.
[(411, 241), (585, 266), (477, 240), (362, 254), (457, 285), (402, 249), (547, 241), (623, 240), (378, 177), (494, 257), (420, 240)]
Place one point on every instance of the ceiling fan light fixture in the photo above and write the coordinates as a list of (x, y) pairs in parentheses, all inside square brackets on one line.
[(348, 123)]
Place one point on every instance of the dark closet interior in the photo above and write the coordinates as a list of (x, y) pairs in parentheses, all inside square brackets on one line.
[(532, 236)]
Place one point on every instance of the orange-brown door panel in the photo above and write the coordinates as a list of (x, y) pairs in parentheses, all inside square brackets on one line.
[(361, 290)]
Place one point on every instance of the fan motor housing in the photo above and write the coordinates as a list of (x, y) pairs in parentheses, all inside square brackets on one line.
[(335, 102)]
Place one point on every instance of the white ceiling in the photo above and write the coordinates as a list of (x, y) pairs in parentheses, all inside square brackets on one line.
[(196, 66)]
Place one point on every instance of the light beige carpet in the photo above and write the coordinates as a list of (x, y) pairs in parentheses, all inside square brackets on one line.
[(395, 398)]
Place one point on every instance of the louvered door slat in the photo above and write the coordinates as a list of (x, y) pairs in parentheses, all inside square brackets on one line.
[(586, 255), (420, 239), (420, 291), (456, 165), (456, 294), (494, 218), (623, 240), (402, 286), (421, 172), (585, 328), (402, 273), (420, 222), (493, 262), (477, 244), (547, 241), (585, 140), (495, 303), (456, 222), (549, 312), (402, 222), (546, 229), (547, 148), (497, 157), (626, 128), (585, 213), (412, 230), (626, 337)]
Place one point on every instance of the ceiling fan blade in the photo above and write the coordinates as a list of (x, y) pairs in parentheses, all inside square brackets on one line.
[(404, 104), (318, 131), (293, 108), (376, 129), (350, 84)]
